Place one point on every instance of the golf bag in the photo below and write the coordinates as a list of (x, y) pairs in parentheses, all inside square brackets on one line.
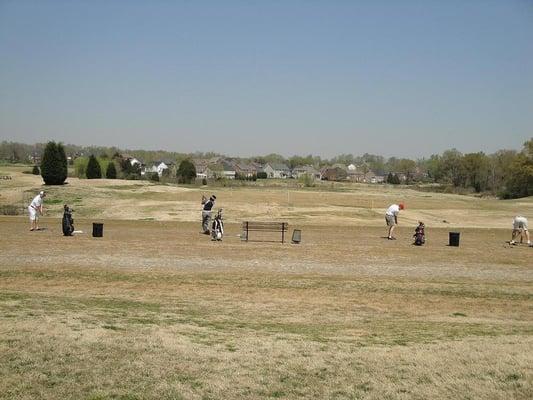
[(420, 236), (68, 221), (217, 227)]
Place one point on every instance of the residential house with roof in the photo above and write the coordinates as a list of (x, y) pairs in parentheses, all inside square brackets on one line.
[(335, 173), (244, 169), (277, 170), (202, 169), (158, 167), (228, 169), (304, 170)]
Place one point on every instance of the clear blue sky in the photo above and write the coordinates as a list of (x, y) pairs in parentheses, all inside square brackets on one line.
[(403, 78)]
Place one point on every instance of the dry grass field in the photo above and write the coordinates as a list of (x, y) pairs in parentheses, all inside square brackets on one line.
[(155, 310)]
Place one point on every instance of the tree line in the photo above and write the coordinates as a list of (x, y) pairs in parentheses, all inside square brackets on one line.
[(506, 173)]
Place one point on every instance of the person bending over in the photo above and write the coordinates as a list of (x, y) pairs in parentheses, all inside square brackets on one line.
[(391, 218), (520, 228)]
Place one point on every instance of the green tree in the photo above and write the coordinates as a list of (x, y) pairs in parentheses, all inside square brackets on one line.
[(186, 172), (54, 164), (500, 168), (62, 160), (433, 167), (453, 168), (129, 170), (393, 179), (111, 171), (520, 182), (476, 169), (407, 167), (93, 168)]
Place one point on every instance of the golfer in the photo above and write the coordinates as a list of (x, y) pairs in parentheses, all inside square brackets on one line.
[(206, 214), (391, 218), (35, 209), (519, 228)]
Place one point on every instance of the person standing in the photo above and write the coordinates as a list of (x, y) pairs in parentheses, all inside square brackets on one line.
[(391, 218), (35, 209), (519, 228), (206, 214)]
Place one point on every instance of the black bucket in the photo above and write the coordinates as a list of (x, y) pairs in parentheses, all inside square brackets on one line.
[(98, 229), (454, 239)]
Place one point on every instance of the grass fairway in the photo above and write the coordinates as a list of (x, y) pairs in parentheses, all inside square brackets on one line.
[(154, 310)]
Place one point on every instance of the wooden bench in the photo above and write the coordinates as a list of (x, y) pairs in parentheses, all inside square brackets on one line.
[(250, 226)]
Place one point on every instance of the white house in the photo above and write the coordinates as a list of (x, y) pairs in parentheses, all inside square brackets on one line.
[(156, 166), (277, 170), (228, 170)]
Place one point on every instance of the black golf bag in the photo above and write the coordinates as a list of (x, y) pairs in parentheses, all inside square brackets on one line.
[(68, 221), (420, 236), (217, 227)]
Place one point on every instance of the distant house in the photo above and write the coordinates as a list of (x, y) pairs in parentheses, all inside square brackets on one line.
[(243, 169), (277, 170), (303, 170), (131, 159), (35, 159), (155, 167), (362, 174), (228, 170), (334, 174), (202, 169), (355, 175)]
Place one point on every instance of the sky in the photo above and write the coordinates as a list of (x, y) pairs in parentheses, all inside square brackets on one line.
[(395, 78)]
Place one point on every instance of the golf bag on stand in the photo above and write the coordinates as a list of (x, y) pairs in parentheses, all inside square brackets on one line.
[(217, 227), (420, 235), (68, 221)]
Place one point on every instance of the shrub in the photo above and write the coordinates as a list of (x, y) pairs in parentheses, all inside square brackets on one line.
[(9, 209), (154, 177), (393, 179), (307, 180), (80, 166), (54, 164), (262, 175), (130, 171), (186, 172), (111, 171), (35, 170), (93, 168), (204, 181)]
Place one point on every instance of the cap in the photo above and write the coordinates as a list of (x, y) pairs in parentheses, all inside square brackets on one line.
[(213, 197), (402, 206), (42, 193)]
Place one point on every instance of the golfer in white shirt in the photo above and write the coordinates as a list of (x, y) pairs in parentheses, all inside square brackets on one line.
[(35, 209), (391, 218), (520, 228)]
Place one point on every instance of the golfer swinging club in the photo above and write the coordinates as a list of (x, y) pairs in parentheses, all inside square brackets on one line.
[(206, 214), (35, 209)]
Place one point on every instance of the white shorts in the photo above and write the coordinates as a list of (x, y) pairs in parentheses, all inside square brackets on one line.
[(520, 223), (33, 213)]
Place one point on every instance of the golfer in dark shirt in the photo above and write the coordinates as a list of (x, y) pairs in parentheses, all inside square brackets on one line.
[(206, 214)]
